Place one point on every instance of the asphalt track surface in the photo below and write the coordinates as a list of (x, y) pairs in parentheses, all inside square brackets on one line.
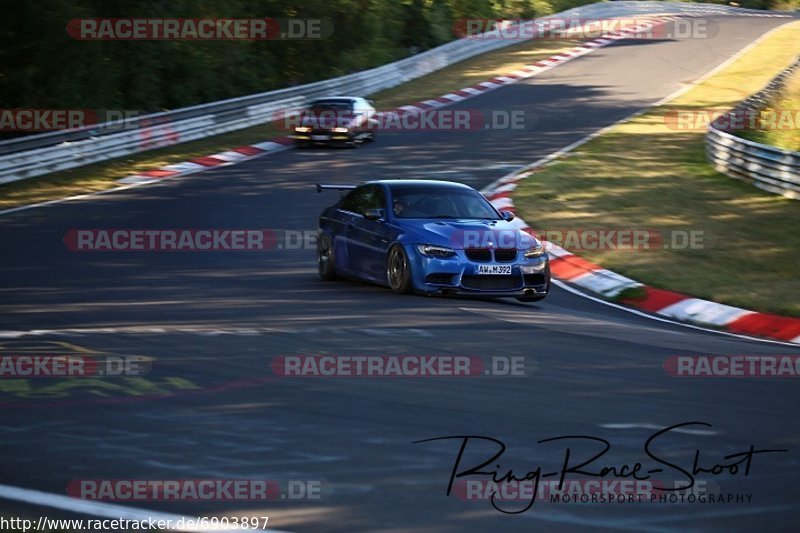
[(212, 322)]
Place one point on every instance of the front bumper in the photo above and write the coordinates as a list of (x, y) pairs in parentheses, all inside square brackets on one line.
[(321, 137), (459, 276)]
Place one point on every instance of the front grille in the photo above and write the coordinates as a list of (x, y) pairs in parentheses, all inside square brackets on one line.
[(534, 279), (491, 283), (505, 255), (439, 279), (478, 254)]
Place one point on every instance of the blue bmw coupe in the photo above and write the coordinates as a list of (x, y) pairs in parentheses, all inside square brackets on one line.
[(429, 237)]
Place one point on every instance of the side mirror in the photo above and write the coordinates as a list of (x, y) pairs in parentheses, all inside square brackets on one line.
[(374, 214), (508, 216)]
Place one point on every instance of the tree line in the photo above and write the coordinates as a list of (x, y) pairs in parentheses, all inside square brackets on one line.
[(42, 66)]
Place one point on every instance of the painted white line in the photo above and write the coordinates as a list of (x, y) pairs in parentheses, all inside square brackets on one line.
[(135, 179), (279, 148), (684, 430), (102, 509), (453, 97), (555, 250), (270, 146), (185, 166), (604, 282), (697, 310), (77, 197), (525, 172), (519, 173), (521, 73), (230, 156), (568, 288)]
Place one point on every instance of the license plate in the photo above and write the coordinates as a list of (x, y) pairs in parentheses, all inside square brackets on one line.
[(494, 270), (320, 137)]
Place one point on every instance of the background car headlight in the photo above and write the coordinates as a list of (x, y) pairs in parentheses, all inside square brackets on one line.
[(435, 251), (535, 251), (340, 130), (302, 129)]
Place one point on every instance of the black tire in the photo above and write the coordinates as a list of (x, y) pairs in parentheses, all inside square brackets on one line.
[(325, 260), (398, 270), (532, 298)]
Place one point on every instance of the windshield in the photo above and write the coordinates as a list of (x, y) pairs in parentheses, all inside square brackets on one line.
[(331, 105), (429, 202)]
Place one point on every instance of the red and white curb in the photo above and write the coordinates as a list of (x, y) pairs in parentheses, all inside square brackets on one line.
[(228, 157), (244, 153), (593, 278), (531, 70)]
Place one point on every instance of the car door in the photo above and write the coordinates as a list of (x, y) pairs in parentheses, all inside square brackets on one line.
[(368, 239), (347, 212)]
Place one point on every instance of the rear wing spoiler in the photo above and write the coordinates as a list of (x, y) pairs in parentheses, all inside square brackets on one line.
[(321, 187)]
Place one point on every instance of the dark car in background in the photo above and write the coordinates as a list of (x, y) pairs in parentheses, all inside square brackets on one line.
[(341, 120)]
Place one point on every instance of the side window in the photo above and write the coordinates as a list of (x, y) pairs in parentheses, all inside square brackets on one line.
[(363, 198), (354, 202), (377, 199)]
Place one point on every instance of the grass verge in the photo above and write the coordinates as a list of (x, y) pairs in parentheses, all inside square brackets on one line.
[(102, 176), (785, 133), (644, 175)]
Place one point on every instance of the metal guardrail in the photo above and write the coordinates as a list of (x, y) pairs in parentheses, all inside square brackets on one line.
[(767, 167), (40, 154)]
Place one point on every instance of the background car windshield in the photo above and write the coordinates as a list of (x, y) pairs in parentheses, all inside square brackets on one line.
[(317, 107), (441, 203)]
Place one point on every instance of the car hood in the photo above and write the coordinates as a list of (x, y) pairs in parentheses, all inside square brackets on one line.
[(467, 233)]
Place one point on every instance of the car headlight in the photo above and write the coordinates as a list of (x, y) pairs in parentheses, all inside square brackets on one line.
[(340, 130), (536, 251), (302, 129), (431, 250)]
